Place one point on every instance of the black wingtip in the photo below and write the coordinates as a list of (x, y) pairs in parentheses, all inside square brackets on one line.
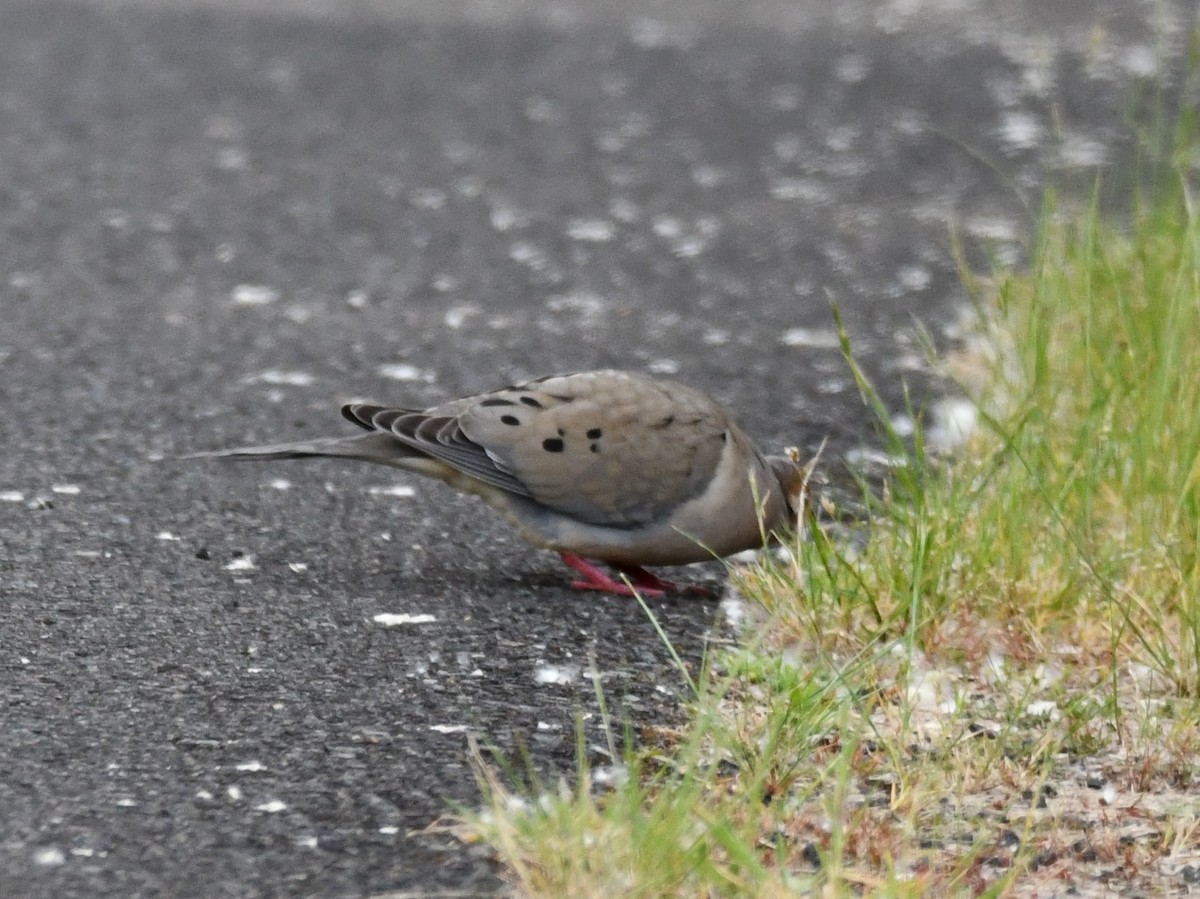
[(359, 414)]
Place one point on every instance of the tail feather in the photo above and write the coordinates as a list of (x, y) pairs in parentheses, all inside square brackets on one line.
[(380, 448)]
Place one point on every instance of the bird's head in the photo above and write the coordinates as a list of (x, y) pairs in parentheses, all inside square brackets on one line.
[(794, 479)]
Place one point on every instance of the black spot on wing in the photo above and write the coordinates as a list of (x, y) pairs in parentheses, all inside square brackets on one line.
[(532, 401), (497, 401), (510, 420), (594, 434), (553, 444)]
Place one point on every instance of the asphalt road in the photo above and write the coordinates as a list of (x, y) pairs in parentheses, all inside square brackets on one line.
[(219, 221)]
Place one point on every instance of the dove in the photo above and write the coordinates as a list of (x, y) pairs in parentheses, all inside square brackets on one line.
[(598, 466)]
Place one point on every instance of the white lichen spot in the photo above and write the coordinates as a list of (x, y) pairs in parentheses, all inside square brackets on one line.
[(556, 674), (271, 807), (234, 793), (428, 198), (1020, 130), (667, 227), (915, 278), (389, 830), (591, 230), (812, 338), (297, 567), (444, 282), (456, 316), (663, 367), (585, 304), (1141, 61), (449, 728), (625, 210), (1078, 151), (399, 491), (307, 842), (232, 159), (166, 535), (12, 496), (806, 190), (245, 563), (66, 489), (254, 294), (528, 254), (279, 484), (252, 765), (395, 619), (279, 378), (991, 228), (708, 176), (402, 371), (358, 299), (503, 218), (655, 34), (49, 857)]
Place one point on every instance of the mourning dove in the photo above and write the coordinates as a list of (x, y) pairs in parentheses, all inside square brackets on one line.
[(602, 465)]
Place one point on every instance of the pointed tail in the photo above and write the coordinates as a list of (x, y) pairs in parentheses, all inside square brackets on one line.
[(383, 449)]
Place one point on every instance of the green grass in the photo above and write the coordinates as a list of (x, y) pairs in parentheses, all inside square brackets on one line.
[(1002, 685)]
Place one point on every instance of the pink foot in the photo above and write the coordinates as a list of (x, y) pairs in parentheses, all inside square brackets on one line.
[(643, 581)]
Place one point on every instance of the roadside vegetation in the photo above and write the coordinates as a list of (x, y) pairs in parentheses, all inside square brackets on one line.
[(997, 690)]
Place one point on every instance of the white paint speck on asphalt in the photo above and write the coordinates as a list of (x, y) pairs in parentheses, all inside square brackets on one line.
[(49, 857), (400, 371), (556, 674), (254, 294), (394, 619), (400, 491)]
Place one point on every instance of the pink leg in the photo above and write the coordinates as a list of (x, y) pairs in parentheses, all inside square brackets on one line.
[(643, 581), (595, 579)]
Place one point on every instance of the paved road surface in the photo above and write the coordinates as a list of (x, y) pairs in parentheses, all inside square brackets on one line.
[(218, 221)]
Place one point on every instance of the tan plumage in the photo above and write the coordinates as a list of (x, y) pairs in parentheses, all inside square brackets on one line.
[(606, 465)]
